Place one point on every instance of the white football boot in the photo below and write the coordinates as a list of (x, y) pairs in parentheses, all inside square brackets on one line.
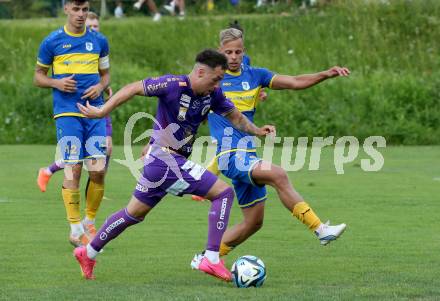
[(327, 233), (195, 262)]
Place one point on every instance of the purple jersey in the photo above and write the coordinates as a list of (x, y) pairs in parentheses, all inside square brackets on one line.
[(180, 111)]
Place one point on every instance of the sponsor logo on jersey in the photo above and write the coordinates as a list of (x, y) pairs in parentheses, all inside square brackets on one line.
[(155, 87), (205, 109), (67, 45)]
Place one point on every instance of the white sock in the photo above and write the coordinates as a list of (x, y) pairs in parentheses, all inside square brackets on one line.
[(76, 230), (47, 170), (91, 253), (320, 228), (87, 221), (212, 256)]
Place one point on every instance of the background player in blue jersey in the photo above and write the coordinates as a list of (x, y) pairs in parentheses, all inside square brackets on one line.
[(79, 59), (184, 102), (236, 151), (45, 173)]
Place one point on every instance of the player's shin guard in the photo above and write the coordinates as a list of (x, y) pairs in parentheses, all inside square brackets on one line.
[(113, 226), (218, 218), (71, 198), (94, 194), (305, 214)]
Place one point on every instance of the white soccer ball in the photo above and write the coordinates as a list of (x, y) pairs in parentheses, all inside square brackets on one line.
[(248, 271)]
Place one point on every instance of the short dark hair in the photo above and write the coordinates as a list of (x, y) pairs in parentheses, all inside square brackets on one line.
[(212, 58)]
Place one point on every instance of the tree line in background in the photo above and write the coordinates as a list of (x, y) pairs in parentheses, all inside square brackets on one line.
[(392, 50), (11, 9)]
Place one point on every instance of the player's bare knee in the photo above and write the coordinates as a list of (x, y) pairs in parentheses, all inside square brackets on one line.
[(253, 225), (97, 176), (279, 177)]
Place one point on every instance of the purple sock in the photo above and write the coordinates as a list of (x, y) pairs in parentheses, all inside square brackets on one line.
[(113, 226), (56, 166), (218, 218)]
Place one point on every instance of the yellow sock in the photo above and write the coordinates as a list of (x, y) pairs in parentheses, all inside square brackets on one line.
[(305, 214), (213, 166), (224, 249), (94, 194), (71, 198)]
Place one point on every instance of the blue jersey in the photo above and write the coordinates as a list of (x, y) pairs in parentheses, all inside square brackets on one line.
[(79, 54), (242, 88)]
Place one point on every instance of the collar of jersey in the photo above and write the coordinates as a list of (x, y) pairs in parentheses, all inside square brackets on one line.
[(238, 73), (75, 34)]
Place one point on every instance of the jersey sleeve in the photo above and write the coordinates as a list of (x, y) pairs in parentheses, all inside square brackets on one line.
[(105, 49), (45, 54), (104, 59), (221, 105), (264, 77), (156, 86)]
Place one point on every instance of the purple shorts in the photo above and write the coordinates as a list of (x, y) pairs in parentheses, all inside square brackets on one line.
[(166, 172)]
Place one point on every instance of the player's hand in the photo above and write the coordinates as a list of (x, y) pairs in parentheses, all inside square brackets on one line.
[(263, 95), (66, 84), (90, 111), (109, 93), (267, 130), (92, 92), (337, 71)]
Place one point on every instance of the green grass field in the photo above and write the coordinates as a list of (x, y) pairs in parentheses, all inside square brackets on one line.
[(389, 252)]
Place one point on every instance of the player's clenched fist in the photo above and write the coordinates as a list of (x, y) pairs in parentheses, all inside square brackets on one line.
[(267, 130)]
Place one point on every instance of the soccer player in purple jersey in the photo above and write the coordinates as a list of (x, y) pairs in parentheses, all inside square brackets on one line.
[(184, 102)]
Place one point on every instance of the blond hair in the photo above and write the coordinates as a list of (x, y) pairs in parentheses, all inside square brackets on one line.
[(230, 34), (92, 16)]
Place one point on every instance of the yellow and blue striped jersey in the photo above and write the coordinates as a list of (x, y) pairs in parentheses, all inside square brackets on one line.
[(242, 88), (79, 54)]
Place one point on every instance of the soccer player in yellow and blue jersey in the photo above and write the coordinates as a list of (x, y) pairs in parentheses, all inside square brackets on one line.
[(79, 59), (236, 151)]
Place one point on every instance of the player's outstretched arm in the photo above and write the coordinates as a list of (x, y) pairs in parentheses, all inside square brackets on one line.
[(123, 95), (242, 123), (304, 81)]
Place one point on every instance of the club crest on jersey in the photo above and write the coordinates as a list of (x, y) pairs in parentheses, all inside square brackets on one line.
[(195, 104), (89, 46), (245, 85)]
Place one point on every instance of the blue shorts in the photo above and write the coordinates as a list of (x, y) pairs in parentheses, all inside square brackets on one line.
[(80, 138), (238, 166)]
